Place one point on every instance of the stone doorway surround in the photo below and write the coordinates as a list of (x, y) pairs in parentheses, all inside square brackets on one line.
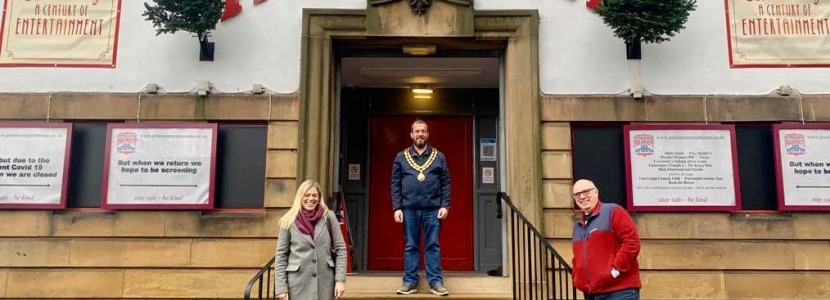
[(520, 31)]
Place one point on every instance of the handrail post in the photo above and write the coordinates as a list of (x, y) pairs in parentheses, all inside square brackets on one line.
[(535, 264), (257, 281)]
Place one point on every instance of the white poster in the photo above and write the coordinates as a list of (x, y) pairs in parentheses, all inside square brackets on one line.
[(163, 167), (32, 166), (673, 167), (805, 166)]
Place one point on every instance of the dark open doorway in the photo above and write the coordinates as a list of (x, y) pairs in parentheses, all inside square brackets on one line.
[(376, 106)]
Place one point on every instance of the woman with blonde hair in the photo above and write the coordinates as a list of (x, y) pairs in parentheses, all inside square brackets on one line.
[(311, 253)]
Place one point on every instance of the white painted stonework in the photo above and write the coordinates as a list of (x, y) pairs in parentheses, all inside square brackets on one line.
[(578, 55)]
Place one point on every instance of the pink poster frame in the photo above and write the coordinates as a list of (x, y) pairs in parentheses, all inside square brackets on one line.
[(704, 208), (729, 45), (66, 161), (160, 125), (110, 65), (779, 178)]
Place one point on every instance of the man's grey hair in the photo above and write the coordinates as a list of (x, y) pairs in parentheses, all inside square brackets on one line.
[(418, 121)]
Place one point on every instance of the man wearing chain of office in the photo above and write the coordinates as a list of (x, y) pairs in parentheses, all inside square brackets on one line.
[(420, 200)]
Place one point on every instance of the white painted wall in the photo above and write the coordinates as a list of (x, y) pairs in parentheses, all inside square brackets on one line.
[(578, 55)]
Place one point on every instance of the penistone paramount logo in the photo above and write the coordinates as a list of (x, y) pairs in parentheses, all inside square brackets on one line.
[(644, 145), (126, 143), (795, 144)]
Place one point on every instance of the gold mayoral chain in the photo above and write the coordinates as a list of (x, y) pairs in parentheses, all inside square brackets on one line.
[(423, 167)]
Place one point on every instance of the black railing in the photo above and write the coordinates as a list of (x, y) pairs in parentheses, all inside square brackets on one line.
[(262, 283), (538, 271)]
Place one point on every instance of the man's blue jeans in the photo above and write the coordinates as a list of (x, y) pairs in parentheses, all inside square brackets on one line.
[(413, 221), (627, 294)]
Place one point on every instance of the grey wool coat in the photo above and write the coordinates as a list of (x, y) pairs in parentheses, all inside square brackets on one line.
[(304, 268)]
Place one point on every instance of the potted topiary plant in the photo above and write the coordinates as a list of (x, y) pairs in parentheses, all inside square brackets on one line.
[(649, 21), (196, 16)]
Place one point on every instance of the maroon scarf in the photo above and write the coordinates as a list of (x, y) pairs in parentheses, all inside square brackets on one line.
[(306, 220)]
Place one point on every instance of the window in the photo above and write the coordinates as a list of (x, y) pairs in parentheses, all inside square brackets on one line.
[(240, 166), (598, 156), (756, 166), (86, 165)]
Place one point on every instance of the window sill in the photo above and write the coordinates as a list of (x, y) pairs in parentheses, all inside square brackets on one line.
[(760, 215), (86, 211), (234, 213)]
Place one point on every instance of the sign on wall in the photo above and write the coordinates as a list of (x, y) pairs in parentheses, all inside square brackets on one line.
[(34, 161), (802, 155), (354, 171), (487, 150), (488, 175), (778, 33), (159, 166), (681, 168), (59, 33)]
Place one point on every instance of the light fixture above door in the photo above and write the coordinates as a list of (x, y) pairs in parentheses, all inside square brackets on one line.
[(422, 90), (419, 49)]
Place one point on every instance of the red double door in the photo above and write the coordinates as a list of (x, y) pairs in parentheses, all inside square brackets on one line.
[(452, 136)]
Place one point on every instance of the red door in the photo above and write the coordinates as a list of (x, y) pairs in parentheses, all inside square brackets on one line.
[(453, 137)]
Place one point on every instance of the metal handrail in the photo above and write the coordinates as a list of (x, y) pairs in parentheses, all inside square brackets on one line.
[(269, 292), (538, 271)]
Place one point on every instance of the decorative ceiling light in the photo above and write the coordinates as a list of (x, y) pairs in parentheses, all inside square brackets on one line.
[(422, 90), (419, 50)]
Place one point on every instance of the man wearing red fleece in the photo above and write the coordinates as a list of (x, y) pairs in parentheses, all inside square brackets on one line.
[(605, 246)]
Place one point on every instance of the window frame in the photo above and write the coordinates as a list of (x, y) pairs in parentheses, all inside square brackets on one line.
[(623, 201), (262, 201), (743, 199)]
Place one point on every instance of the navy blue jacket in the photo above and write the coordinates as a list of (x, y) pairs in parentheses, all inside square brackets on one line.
[(408, 192)]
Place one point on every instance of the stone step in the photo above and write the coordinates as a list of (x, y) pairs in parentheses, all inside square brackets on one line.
[(424, 295), (458, 283)]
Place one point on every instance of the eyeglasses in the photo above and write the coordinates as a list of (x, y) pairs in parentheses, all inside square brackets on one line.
[(582, 193)]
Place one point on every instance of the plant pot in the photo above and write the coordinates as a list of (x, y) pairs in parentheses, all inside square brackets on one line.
[(206, 50), (632, 50)]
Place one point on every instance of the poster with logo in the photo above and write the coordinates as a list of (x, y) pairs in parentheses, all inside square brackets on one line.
[(802, 165), (34, 161), (59, 33), (681, 168), (159, 166), (778, 33)]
